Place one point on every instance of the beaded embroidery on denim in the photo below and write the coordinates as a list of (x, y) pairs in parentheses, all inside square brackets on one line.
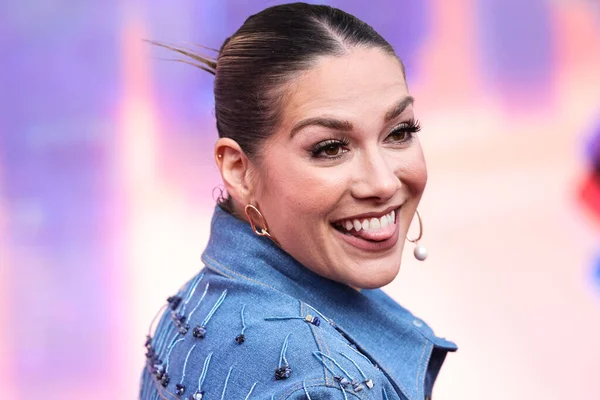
[(366, 381), (200, 330), (199, 394), (180, 387), (343, 381), (309, 318), (241, 338), (178, 315), (283, 370)]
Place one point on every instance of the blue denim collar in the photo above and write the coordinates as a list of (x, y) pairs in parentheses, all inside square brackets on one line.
[(388, 333)]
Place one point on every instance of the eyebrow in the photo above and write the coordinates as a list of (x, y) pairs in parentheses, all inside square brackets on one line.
[(325, 122), (346, 126), (398, 108)]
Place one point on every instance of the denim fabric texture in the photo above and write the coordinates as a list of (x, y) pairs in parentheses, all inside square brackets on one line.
[(304, 336)]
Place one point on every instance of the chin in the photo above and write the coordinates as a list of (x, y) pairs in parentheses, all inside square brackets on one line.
[(373, 280)]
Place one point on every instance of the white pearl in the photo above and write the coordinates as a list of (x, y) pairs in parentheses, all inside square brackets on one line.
[(420, 252)]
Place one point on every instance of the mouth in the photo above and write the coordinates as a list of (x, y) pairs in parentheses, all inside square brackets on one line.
[(373, 232)]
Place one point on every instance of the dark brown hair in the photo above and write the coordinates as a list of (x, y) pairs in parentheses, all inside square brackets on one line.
[(255, 64)]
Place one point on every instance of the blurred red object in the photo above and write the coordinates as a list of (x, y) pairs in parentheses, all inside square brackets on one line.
[(590, 193)]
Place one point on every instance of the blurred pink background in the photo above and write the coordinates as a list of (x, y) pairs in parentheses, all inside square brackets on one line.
[(107, 178)]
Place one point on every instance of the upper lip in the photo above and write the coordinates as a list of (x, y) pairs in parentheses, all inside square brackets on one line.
[(373, 214)]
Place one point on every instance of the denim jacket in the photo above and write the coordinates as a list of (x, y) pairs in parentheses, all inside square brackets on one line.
[(255, 324)]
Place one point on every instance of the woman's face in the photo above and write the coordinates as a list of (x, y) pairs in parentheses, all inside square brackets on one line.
[(339, 182)]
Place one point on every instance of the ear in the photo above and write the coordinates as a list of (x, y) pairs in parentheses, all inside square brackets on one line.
[(235, 169)]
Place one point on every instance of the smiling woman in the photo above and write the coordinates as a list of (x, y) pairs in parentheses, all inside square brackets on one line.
[(352, 156), (319, 155)]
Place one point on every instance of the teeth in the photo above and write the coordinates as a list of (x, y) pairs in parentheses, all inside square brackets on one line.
[(374, 224), (365, 225), (370, 224), (385, 221)]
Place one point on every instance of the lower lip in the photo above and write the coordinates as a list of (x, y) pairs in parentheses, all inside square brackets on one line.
[(369, 245)]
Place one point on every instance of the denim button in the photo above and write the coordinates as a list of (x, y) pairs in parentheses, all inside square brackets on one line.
[(417, 323)]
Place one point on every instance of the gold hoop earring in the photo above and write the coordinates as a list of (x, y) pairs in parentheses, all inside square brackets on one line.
[(264, 230), (420, 251)]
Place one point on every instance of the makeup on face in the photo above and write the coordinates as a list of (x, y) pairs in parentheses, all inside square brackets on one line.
[(342, 177)]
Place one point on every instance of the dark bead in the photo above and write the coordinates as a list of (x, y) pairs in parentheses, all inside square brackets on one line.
[(179, 389), (239, 339), (199, 332), (148, 343), (184, 328), (357, 386), (158, 370), (165, 380), (282, 373), (174, 301), (316, 321), (150, 353), (342, 381), (178, 318)]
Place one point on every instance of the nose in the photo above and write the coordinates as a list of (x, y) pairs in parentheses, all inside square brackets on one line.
[(375, 178)]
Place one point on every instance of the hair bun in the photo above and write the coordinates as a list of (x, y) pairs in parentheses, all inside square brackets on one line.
[(224, 44)]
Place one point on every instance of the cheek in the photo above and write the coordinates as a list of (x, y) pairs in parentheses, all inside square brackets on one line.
[(298, 194), (411, 169)]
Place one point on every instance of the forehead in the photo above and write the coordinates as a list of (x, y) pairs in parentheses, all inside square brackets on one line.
[(365, 82)]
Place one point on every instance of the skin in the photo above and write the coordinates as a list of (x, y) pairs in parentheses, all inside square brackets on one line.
[(300, 194)]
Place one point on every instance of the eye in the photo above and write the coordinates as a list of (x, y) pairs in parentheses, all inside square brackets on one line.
[(331, 148), (404, 132)]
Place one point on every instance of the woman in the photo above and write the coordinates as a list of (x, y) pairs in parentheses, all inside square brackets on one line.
[(323, 171)]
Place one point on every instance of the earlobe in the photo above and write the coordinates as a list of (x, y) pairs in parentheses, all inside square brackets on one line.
[(233, 166)]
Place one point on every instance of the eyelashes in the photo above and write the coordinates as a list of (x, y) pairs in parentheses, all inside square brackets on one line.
[(334, 148), (330, 148), (411, 126), (405, 130)]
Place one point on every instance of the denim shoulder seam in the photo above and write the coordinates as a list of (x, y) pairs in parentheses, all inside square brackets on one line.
[(316, 335), (213, 264)]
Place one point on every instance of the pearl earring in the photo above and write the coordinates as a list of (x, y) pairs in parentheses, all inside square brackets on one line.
[(420, 251)]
